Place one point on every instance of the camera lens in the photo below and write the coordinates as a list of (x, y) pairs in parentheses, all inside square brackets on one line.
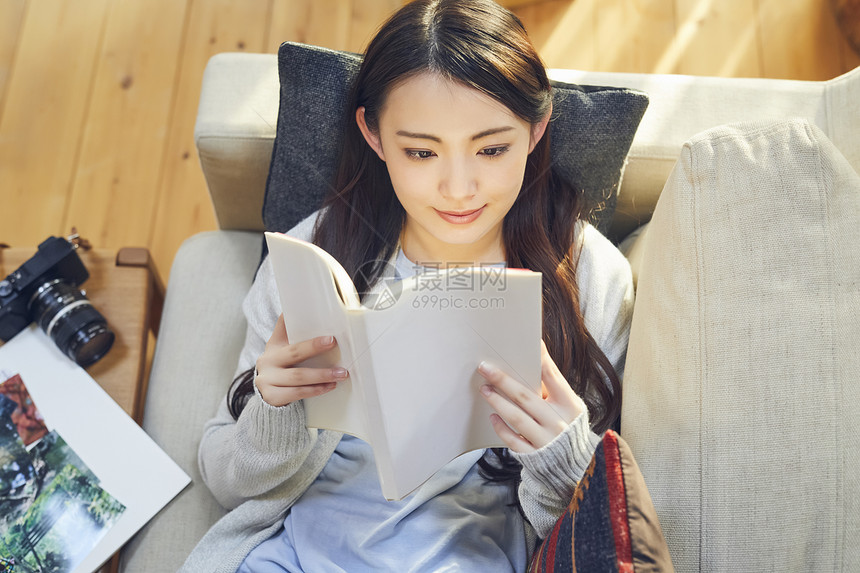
[(78, 329)]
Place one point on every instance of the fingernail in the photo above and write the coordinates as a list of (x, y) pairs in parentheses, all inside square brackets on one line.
[(326, 340), (339, 373), (486, 390), (486, 368)]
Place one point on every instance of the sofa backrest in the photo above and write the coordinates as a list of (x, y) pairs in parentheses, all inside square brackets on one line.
[(683, 106), (741, 382), (237, 117)]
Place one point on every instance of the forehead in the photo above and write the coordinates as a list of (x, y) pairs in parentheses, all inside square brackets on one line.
[(428, 102)]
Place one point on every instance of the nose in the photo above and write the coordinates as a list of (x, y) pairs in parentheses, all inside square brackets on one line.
[(459, 180)]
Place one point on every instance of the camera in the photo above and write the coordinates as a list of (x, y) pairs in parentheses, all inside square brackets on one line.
[(44, 289)]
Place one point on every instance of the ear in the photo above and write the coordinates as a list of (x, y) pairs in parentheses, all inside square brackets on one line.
[(371, 138), (539, 129)]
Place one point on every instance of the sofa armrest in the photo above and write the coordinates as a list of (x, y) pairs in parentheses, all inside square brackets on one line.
[(235, 132), (202, 332)]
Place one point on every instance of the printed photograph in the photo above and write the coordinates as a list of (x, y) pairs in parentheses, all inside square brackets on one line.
[(18, 485), (7, 406), (52, 510), (61, 527), (31, 425), (51, 454)]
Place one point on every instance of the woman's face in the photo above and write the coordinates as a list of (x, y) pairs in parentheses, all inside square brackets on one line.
[(456, 158)]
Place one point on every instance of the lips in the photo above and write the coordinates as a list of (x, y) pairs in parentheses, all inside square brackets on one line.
[(461, 217)]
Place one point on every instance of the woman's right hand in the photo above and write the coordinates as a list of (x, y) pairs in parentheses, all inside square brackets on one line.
[(278, 379)]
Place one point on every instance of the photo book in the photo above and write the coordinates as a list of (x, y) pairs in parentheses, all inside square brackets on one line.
[(412, 348), (78, 477)]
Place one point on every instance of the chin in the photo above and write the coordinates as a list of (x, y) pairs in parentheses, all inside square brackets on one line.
[(462, 236), (457, 236)]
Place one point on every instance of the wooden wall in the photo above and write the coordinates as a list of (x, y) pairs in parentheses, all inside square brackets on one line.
[(98, 97)]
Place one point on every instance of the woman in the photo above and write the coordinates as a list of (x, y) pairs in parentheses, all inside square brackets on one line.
[(445, 160)]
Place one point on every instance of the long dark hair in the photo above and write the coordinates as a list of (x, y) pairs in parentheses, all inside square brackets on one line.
[(481, 45)]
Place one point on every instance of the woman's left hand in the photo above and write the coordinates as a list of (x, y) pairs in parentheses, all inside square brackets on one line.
[(524, 420)]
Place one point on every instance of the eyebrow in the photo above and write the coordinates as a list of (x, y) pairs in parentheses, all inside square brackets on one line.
[(482, 134)]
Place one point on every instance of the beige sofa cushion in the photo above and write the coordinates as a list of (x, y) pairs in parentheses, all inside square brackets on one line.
[(202, 332), (682, 106), (742, 381)]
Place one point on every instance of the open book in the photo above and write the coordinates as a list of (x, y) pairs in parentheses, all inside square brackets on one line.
[(412, 352)]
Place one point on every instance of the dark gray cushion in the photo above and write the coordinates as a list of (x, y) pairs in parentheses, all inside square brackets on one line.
[(592, 130)]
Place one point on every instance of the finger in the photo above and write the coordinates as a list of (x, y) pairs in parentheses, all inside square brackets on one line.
[(281, 396), (279, 334), (519, 420), (281, 386), (292, 377), (557, 393), (546, 420), (516, 391), (553, 380), (292, 354), (510, 438)]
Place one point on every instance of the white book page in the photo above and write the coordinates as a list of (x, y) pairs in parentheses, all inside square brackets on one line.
[(130, 466), (426, 350), (312, 307)]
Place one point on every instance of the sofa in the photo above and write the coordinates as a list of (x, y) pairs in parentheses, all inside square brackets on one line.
[(739, 399)]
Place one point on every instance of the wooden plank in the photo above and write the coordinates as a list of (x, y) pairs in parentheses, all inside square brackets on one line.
[(46, 106), (54, 60), (799, 40), (563, 31), (323, 23), (184, 207), (714, 38), (112, 200), (11, 17), (633, 35), (367, 17)]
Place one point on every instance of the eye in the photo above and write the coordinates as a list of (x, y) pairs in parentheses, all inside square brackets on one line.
[(494, 151), (419, 154)]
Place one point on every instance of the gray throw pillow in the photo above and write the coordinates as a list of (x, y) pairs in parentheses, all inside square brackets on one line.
[(591, 132)]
